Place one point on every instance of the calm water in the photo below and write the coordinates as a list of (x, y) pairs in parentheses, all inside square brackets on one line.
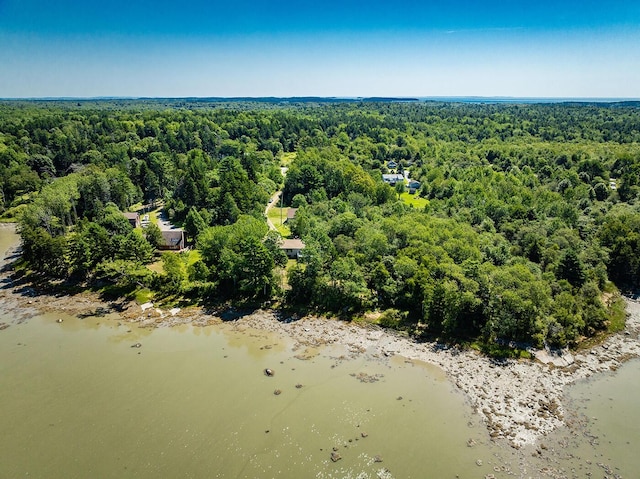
[(611, 405), (77, 401)]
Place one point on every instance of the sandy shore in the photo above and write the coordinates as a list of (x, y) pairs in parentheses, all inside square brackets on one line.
[(519, 401)]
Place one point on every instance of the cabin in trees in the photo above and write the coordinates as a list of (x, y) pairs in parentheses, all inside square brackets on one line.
[(133, 218), (393, 178), (392, 164), (172, 240), (292, 248), (413, 186)]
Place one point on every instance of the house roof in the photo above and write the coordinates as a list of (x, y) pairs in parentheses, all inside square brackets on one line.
[(393, 177), (292, 244), (291, 213), (172, 237), (131, 216)]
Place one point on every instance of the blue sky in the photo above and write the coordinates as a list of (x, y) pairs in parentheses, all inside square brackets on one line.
[(330, 48)]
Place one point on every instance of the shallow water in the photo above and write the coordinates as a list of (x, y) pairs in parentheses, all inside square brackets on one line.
[(609, 405), (77, 400)]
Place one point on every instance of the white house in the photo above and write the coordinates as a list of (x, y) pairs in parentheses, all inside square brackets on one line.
[(292, 247), (393, 178)]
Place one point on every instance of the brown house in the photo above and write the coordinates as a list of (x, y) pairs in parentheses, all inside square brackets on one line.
[(292, 247), (133, 218), (172, 240)]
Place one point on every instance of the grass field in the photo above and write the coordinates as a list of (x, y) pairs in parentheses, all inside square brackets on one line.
[(287, 158), (274, 216), (153, 213), (188, 258), (414, 200)]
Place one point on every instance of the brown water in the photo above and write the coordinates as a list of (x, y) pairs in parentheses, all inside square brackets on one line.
[(610, 405), (77, 401)]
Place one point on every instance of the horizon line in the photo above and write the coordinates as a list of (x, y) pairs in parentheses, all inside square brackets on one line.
[(596, 99)]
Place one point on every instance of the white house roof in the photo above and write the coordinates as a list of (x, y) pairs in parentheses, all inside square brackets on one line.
[(292, 244), (393, 177)]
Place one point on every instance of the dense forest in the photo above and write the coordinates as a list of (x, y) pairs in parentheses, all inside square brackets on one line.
[(519, 221)]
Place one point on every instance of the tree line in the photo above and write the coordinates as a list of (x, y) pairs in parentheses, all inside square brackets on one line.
[(529, 210)]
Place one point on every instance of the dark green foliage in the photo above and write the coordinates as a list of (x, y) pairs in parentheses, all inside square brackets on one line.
[(174, 273), (58, 244), (125, 275), (46, 253), (272, 242), (620, 234), (571, 268), (238, 259), (153, 235), (198, 271), (194, 224), (18, 180), (531, 208)]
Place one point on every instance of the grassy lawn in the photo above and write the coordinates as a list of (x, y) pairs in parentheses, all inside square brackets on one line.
[(153, 214), (283, 274), (156, 267), (287, 158), (274, 216), (136, 207), (188, 258), (414, 200)]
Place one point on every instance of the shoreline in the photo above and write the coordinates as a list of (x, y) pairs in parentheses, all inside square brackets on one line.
[(519, 401)]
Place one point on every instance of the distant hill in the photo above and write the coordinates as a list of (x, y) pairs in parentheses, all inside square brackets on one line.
[(247, 99), (293, 99)]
